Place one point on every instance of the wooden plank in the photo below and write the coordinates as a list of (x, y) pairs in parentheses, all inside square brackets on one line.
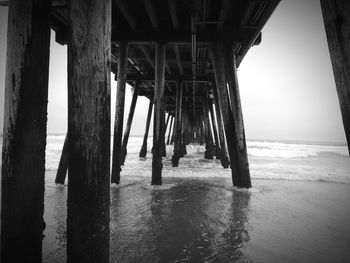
[(236, 111), (89, 84), (24, 138), (158, 134), (129, 121), (336, 16), (143, 150), (63, 165), (119, 112)]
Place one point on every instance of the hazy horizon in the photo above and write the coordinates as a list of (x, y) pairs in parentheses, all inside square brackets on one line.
[(286, 83)]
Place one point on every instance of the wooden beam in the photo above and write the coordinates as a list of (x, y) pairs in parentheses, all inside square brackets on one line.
[(129, 121), (147, 55), (126, 13), (223, 12), (24, 138), (170, 129), (158, 133), (230, 67), (178, 58), (173, 13), (177, 125), (63, 165), (336, 16), (89, 85), (119, 112), (143, 150), (235, 34), (151, 12)]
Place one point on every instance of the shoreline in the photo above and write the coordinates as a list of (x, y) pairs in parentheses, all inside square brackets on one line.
[(204, 219)]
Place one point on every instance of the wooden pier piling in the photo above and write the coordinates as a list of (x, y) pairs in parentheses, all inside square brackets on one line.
[(24, 137), (158, 132), (63, 164), (336, 17), (129, 121), (177, 125), (89, 68), (143, 151), (119, 112)]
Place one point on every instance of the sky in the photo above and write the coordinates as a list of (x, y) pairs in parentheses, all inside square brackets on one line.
[(286, 83)]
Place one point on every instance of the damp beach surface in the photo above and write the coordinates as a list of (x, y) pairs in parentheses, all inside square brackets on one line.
[(206, 220)]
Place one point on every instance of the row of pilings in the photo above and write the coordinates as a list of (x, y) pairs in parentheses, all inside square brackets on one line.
[(88, 138)]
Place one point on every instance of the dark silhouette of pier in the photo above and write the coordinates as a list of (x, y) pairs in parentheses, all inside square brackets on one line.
[(180, 54)]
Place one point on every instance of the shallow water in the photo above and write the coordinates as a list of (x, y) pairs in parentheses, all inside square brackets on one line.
[(206, 220)]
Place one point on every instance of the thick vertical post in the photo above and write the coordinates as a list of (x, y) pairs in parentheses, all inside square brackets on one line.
[(158, 133), (143, 150), (24, 133), (208, 136), (223, 154), (119, 112), (218, 53), (177, 125), (170, 130), (89, 55), (129, 121), (237, 116), (336, 17), (63, 165)]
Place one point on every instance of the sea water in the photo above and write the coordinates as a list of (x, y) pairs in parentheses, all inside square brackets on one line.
[(281, 160)]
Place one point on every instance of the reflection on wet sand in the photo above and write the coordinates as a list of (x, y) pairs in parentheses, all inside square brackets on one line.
[(192, 221)]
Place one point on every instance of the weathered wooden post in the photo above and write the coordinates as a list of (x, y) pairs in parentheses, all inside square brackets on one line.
[(89, 55), (170, 130), (214, 127), (63, 165), (218, 58), (237, 116), (223, 156), (208, 136), (129, 121), (24, 137), (165, 128), (177, 125), (143, 150), (158, 133), (119, 112), (336, 17)]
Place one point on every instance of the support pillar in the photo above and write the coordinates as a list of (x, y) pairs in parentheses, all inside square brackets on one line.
[(336, 17), (237, 116), (63, 165), (159, 109), (89, 60), (239, 177), (119, 112), (143, 150), (24, 137), (129, 121), (223, 154), (170, 130), (214, 127), (165, 128), (177, 125)]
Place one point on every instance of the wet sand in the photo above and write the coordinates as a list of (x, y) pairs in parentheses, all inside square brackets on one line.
[(206, 220)]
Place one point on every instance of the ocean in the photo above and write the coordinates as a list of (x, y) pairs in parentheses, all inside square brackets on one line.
[(280, 160), (297, 210)]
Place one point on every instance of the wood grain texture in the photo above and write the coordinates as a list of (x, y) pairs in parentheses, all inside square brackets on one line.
[(24, 132), (336, 16), (89, 54)]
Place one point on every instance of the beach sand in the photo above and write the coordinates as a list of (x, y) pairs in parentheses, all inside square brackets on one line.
[(206, 220)]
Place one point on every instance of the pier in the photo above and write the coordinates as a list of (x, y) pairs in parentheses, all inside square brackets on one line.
[(182, 55)]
